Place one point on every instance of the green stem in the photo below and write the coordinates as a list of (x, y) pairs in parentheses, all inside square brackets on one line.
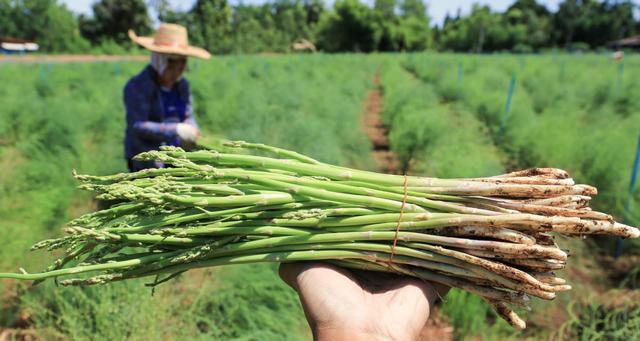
[(200, 214), (275, 150), (90, 268)]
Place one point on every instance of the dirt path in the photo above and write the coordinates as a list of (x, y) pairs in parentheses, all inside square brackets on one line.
[(436, 329), (377, 131), (69, 58), (8, 334), (387, 162)]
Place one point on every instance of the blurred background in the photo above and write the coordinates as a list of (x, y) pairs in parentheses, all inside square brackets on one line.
[(437, 88), (231, 27)]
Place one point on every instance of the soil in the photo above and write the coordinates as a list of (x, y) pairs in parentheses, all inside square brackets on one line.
[(619, 269), (377, 131), (21, 327), (188, 286), (7, 334), (437, 328)]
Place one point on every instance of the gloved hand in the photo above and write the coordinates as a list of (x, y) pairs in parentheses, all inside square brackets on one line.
[(187, 132)]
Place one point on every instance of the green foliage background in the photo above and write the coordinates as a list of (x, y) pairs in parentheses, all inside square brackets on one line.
[(225, 27), (444, 112)]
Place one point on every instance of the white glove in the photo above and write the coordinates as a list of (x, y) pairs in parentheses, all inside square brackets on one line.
[(187, 132)]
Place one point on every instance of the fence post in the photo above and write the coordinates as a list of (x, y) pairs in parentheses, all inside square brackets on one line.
[(632, 189), (620, 74), (45, 71), (522, 62)]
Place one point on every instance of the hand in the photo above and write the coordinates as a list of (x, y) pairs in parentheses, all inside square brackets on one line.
[(346, 305), (187, 132)]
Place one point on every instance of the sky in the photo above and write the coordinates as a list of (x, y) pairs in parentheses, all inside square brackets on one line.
[(437, 9)]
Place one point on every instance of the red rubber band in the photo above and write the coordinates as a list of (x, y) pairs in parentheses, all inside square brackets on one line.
[(172, 44), (395, 238)]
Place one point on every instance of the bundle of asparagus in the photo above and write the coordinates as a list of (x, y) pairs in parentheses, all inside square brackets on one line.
[(490, 236)]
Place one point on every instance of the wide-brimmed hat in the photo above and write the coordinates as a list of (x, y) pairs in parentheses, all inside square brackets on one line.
[(170, 39)]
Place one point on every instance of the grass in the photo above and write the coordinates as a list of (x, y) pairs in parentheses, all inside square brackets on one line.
[(563, 113), (430, 136), (239, 303), (597, 322)]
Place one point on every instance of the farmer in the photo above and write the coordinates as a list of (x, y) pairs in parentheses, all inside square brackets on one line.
[(158, 100)]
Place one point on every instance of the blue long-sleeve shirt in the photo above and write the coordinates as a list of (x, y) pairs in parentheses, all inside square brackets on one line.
[(153, 113)]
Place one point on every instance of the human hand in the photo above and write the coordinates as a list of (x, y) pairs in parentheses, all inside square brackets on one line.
[(187, 132), (340, 304)]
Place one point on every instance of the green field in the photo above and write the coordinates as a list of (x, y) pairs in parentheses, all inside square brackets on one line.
[(447, 118)]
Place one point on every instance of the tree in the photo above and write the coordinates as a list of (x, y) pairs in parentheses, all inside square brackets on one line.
[(211, 25), (290, 17), (566, 21), (623, 23), (249, 36), (480, 21), (385, 9), (530, 5), (415, 34), (46, 22), (386, 25), (7, 11), (528, 24), (415, 9), (349, 27), (481, 30), (162, 8), (60, 31), (113, 18), (591, 22), (314, 9)]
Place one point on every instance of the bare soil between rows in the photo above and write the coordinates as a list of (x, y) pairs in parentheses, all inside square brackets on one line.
[(377, 131), (437, 327)]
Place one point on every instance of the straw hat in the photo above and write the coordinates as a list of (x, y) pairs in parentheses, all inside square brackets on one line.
[(170, 39)]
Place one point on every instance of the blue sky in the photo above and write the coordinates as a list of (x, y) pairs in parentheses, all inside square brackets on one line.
[(437, 9)]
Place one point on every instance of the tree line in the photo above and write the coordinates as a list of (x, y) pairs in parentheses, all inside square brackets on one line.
[(347, 26)]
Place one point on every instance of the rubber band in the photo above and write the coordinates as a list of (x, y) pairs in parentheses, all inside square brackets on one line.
[(404, 203)]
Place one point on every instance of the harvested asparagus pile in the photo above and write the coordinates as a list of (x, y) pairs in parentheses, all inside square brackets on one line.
[(490, 236)]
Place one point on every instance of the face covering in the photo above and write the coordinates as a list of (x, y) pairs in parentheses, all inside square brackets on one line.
[(159, 62)]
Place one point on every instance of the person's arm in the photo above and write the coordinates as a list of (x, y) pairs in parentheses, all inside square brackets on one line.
[(156, 131), (188, 130), (138, 110), (189, 116)]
